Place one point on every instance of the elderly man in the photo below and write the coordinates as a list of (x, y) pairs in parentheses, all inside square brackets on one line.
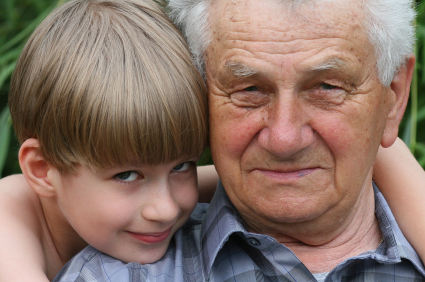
[(301, 94)]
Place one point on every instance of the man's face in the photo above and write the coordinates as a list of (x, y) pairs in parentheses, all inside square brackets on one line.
[(297, 111)]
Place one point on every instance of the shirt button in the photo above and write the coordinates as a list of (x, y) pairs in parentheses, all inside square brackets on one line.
[(253, 242)]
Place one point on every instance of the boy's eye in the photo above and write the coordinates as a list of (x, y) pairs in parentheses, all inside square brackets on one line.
[(127, 176), (182, 167)]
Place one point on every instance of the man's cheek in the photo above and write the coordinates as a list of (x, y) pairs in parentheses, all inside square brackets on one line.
[(349, 140), (240, 135)]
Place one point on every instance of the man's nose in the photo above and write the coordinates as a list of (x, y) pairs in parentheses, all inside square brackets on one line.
[(162, 206), (287, 129)]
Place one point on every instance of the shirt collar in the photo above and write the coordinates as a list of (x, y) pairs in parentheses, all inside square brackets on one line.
[(222, 220), (395, 246)]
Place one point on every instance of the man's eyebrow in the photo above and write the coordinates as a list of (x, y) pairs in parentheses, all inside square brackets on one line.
[(240, 70), (333, 63)]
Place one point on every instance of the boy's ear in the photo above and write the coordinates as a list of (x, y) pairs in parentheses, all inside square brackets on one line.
[(35, 168), (400, 88)]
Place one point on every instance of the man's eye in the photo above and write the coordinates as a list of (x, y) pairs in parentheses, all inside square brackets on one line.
[(182, 167), (250, 97), (251, 89), (127, 176), (326, 86), (326, 95)]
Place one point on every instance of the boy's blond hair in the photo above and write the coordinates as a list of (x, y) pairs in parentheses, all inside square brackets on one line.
[(105, 83)]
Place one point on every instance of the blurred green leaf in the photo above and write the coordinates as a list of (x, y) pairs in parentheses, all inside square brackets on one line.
[(17, 20), (406, 132), (24, 33), (420, 147), (421, 114), (10, 56), (205, 158), (6, 72), (5, 129)]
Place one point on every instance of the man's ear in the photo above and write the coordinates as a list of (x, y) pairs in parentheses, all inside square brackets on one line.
[(400, 86), (35, 168)]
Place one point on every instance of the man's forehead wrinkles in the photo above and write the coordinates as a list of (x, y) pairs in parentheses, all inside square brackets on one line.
[(327, 57), (254, 34), (298, 42), (265, 31)]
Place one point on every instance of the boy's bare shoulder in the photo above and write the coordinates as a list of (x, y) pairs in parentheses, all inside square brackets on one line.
[(22, 231), (15, 191), (19, 201), (16, 179)]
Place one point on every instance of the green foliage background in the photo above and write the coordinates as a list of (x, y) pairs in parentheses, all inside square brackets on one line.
[(19, 17)]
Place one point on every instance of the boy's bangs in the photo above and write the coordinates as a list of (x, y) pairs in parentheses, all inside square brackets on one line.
[(152, 133), (146, 110)]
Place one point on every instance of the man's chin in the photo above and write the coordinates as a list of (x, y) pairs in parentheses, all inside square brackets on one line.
[(295, 216), (286, 215)]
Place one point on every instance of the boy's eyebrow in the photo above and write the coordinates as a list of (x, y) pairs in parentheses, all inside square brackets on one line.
[(240, 70), (332, 63)]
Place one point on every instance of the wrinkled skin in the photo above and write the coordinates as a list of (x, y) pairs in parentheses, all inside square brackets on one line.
[(297, 114)]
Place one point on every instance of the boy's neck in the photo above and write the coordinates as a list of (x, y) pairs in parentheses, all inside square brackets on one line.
[(66, 240)]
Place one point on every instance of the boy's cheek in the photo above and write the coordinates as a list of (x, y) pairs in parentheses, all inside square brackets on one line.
[(188, 200)]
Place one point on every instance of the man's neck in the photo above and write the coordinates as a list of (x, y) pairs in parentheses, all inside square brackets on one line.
[(324, 243), (351, 242)]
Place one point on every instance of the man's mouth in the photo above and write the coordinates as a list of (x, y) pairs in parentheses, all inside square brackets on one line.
[(287, 174)]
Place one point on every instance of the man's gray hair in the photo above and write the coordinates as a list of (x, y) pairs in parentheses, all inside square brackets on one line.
[(389, 27)]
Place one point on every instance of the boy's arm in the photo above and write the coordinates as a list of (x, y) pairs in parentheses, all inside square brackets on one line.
[(21, 256), (207, 182), (402, 181)]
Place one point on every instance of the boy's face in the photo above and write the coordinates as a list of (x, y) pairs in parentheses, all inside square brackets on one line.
[(130, 213)]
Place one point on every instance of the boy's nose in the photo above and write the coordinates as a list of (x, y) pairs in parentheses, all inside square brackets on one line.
[(162, 207)]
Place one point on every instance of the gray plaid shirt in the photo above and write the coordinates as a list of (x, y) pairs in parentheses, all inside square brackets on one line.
[(214, 246)]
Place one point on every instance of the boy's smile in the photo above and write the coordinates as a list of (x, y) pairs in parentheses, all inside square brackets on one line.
[(130, 213), (151, 238)]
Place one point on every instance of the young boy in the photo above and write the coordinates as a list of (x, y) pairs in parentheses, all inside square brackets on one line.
[(111, 117)]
